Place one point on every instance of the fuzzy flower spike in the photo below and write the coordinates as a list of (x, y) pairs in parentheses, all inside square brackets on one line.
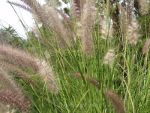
[(24, 60)]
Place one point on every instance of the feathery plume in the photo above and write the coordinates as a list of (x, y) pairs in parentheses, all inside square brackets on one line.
[(82, 3), (20, 5), (124, 19), (6, 109), (76, 9), (88, 17), (20, 58), (17, 57), (116, 101), (6, 82), (109, 57), (9, 68), (51, 18), (92, 81), (53, 2), (10, 93), (144, 6), (129, 24), (14, 99), (47, 75), (33, 4), (106, 27), (145, 48), (132, 33)]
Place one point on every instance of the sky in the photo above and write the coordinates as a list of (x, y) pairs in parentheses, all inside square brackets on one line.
[(9, 17)]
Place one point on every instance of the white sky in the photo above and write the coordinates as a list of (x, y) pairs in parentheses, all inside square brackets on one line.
[(8, 17)]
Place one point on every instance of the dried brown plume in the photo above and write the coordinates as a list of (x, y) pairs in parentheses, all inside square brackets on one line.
[(116, 101), (90, 80)]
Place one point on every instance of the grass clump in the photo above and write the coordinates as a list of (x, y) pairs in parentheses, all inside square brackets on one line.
[(96, 46)]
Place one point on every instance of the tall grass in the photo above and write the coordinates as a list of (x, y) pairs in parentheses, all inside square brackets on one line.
[(98, 52)]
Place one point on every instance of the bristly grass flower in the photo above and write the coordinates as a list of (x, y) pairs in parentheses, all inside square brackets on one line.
[(109, 57), (116, 101), (25, 60)]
